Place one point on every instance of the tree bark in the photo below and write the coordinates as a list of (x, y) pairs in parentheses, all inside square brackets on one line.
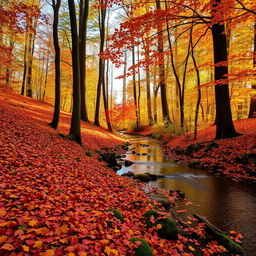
[(161, 68), (56, 114), (224, 124), (83, 16), (75, 127)]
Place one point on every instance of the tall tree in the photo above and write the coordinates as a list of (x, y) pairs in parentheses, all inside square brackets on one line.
[(75, 127), (83, 17), (56, 114), (162, 78), (224, 124)]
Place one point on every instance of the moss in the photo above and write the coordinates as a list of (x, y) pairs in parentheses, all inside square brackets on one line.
[(168, 228), (88, 153), (229, 244), (117, 214), (144, 248), (148, 217)]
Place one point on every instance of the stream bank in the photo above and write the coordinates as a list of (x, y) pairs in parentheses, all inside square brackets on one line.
[(225, 203)]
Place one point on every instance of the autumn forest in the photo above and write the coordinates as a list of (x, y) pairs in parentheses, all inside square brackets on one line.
[(127, 127)]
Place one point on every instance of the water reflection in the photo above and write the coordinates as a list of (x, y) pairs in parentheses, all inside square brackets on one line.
[(228, 205)]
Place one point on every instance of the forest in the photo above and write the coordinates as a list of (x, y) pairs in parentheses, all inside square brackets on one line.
[(119, 118)]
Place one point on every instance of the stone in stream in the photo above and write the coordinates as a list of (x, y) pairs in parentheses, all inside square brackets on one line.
[(128, 163), (110, 158), (162, 200), (145, 177), (179, 193), (128, 174)]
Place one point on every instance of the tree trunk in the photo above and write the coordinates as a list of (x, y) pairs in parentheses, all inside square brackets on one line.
[(198, 82), (150, 117), (161, 68), (124, 79), (56, 113), (83, 16), (25, 64), (135, 88), (75, 127), (224, 124)]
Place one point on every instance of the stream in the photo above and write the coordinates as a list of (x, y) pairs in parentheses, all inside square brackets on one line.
[(225, 203)]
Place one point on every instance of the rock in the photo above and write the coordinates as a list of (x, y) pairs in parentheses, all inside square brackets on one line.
[(144, 248), (192, 148), (145, 177), (117, 214), (162, 200), (110, 158), (128, 163), (168, 228), (117, 167), (229, 244), (180, 194), (149, 216), (128, 174), (142, 177)]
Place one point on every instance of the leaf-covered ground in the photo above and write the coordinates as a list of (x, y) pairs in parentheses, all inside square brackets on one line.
[(235, 157), (54, 197)]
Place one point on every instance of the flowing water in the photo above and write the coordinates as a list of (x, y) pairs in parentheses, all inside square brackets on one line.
[(225, 203)]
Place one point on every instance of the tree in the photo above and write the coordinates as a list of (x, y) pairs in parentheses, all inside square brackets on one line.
[(75, 127), (83, 16), (224, 124), (56, 114)]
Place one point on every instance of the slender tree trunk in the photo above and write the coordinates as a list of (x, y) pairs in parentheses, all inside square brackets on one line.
[(75, 127), (139, 87), (56, 114), (46, 75), (25, 64), (252, 111), (198, 82), (135, 88), (124, 79), (150, 117), (31, 49), (162, 78), (83, 16), (156, 88), (224, 124)]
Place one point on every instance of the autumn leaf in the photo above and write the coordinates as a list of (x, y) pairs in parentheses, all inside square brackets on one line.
[(32, 223), (50, 252), (191, 248), (38, 244), (8, 247), (64, 229), (25, 248), (108, 251), (3, 238)]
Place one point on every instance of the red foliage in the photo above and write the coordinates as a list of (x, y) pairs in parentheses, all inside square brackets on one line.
[(54, 198), (225, 155)]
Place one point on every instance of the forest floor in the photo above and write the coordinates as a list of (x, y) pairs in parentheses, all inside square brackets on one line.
[(55, 195), (234, 157)]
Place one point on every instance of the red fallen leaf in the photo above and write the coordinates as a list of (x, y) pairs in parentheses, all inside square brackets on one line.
[(8, 247)]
